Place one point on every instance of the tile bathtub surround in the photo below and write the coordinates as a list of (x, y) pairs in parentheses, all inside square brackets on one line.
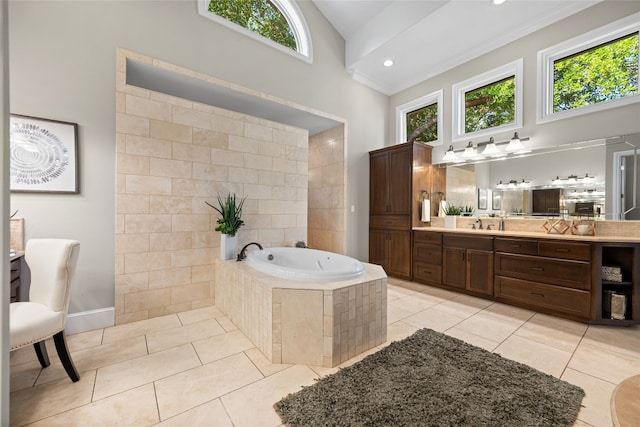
[(153, 387), (321, 324), (172, 156)]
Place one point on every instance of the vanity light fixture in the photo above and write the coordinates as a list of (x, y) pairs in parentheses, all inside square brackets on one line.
[(573, 179), (491, 149), (513, 183), (515, 144), (450, 155), (469, 151)]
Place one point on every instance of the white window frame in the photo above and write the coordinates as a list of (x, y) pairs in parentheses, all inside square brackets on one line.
[(547, 57), (512, 69), (292, 14), (416, 104)]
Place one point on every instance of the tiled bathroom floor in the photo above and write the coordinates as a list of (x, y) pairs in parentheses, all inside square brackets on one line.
[(196, 369)]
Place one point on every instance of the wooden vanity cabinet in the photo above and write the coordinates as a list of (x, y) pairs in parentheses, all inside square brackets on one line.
[(544, 275), (427, 257), (467, 263), (398, 175), (559, 277)]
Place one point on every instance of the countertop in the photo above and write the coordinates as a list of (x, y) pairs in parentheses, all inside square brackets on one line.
[(535, 234)]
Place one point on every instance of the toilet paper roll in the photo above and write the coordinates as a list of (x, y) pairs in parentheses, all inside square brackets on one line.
[(426, 210)]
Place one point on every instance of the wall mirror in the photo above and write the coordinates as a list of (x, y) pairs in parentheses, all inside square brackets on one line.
[(593, 179)]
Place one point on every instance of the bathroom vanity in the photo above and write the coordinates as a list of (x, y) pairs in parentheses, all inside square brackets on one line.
[(556, 274)]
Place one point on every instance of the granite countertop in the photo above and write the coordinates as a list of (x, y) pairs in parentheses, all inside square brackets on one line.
[(535, 234)]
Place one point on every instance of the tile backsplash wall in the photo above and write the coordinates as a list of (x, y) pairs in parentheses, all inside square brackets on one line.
[(172, 156), (327, 207)]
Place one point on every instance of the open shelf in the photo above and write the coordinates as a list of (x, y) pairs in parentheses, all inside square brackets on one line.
[(619, 297)]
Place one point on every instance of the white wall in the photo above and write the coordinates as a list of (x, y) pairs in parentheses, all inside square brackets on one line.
[(618, 121), (62, 59)]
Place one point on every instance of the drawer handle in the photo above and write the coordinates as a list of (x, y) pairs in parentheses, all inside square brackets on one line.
[(538, 294), (562, 250), (537, 268), (514, 246)]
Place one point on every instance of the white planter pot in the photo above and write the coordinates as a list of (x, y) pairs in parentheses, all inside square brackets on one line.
[(450, 221), (228, 246)]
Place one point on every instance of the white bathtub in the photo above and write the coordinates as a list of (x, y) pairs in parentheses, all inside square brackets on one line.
[(305, 264)]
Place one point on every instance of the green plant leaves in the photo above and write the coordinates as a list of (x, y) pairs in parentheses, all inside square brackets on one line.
[(230, 214)]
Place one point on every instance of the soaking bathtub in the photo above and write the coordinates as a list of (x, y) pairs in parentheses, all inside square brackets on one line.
[(305, 264)]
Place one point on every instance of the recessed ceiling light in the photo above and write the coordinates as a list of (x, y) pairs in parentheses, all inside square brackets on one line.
[(496, 2), (388, 63)]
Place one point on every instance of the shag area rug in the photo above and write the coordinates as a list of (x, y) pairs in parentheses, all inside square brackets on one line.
[(431, 379)]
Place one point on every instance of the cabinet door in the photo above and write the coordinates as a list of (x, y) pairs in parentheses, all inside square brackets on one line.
[(378, 247), (454, 267), (379, 184), (480, 271), (400, 173), (399, 254)]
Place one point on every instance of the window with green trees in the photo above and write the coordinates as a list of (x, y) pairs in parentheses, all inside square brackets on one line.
[(489, 102), (602, 73), (594, 71), (422, 124), (490, 106), (278, 24), (259, 16)]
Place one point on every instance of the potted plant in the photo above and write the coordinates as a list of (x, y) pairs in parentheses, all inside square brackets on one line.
[(467, 210), (229, 223), (451, 213)]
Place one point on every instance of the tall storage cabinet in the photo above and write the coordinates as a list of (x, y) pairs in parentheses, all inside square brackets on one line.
[(398, 175)]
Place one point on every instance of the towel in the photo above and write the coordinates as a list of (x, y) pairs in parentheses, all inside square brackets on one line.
[(443, 205), (426, 210)]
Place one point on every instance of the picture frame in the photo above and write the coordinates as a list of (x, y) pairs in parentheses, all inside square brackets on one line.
[(43, 155), (496, 201), (482, 198)]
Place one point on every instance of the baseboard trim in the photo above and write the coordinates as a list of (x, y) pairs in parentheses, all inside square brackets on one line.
[(89, 320)]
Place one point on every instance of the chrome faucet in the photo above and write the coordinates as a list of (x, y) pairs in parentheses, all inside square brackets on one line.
[(479, 221), (242, 255)]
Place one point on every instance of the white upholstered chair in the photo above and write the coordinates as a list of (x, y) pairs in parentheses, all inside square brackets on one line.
[(52, 263)]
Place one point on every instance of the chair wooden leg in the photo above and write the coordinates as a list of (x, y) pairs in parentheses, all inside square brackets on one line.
[(61, 346), (41, 352)]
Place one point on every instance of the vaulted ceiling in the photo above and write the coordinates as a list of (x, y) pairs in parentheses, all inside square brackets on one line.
[(424, 38)]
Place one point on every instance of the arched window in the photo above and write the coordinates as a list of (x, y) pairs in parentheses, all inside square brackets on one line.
[(277, 23)]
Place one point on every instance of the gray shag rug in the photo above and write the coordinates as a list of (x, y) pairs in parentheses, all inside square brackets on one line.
[(431, 379)]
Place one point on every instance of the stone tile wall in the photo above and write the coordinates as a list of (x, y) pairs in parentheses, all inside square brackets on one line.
[(172, 156), (327, 206)]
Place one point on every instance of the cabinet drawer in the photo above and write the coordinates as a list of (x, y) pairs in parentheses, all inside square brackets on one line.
[(483, 243), (575, 274), (517, 246), (427, 237), (390, 222), (566, 300), (429, 254), (427, 272), (565, 250), (15, 269)]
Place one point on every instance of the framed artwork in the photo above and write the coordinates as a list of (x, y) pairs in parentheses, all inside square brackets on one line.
[(482, 198), (496, 201), (43, 155)]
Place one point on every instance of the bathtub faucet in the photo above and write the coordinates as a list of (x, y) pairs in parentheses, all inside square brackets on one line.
[(242, 255)]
